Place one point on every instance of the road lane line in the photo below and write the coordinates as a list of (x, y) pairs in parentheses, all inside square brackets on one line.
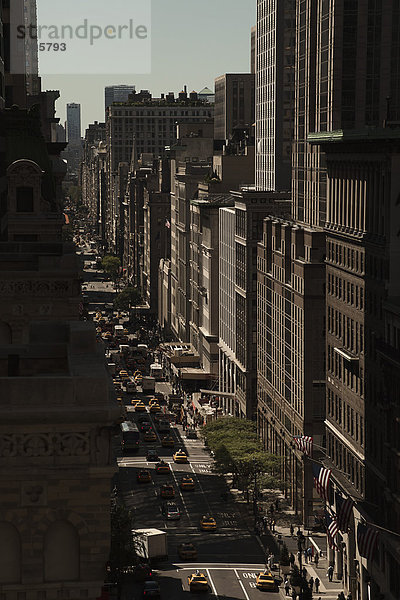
[(212, 584), (242, 585), (181, 495), (201, 488)]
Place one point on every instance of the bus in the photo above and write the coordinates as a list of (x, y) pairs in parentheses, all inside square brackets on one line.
[(130, 436)]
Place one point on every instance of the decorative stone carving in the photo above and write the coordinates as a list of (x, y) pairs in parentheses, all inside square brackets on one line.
[(44, 444), (33, 494), (36, 288), (8, 446)]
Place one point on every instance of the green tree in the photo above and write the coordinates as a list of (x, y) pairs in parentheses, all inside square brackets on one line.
[(238, 450), (111, 265), (122, 551), (130, 296)]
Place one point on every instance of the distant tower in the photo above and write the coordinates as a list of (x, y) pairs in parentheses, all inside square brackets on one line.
[(73, 122), (117, 93)]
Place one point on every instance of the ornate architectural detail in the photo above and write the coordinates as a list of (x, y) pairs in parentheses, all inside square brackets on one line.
[(44, 444), (36, 288)]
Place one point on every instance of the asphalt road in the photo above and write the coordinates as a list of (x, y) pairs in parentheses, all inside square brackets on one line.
[(230, 557)]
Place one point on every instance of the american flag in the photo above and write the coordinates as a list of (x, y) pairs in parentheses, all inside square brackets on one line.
[(304, 443), (367, 538), (321, 480), (344, 510), (331, 529)]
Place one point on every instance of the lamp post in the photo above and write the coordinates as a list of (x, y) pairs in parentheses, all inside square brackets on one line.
[(301, 542)]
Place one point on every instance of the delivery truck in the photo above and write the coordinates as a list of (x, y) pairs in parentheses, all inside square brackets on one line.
[(150, 544)]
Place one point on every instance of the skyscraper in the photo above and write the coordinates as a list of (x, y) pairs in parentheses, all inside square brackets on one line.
[(274, 93), (117, 93), (73, 122), (234, 104), (347, 65)]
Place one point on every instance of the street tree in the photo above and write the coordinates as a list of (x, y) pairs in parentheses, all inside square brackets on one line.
[(238, 450), (122, 551), (111, 265), (129, 297)]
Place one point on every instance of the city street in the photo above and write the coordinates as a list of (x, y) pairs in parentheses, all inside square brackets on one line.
[(230, 557)]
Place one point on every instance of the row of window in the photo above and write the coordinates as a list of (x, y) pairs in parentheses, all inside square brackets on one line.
[(350, 258), (350, 293), (341, 369), (345, 416), (349, 331), (346, 462)]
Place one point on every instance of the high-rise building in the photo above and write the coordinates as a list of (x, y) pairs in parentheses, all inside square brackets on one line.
[(234, 104), (362, 343), (274, 93), (253, 46), (73, 122), (2, 63), (347, 64), (117, 93)]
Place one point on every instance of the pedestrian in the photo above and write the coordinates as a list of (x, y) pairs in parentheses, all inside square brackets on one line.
[(291, 529), (311, 583), (309, 553), (294, 595), (286, 585), (316, 583), (316, 559), (273, 526), (298, 532), (305, 556), (291, 559), (341, 596), (330, 572), (299, 556), (304, 572), (271, 509), (349, 596), (277, 504)]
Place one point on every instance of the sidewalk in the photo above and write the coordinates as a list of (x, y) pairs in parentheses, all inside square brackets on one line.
[(271, 542)]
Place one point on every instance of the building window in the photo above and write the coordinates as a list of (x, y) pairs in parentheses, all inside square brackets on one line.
[(24, 199)]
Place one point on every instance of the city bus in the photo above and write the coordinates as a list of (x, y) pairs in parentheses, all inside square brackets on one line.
[(130, 436)]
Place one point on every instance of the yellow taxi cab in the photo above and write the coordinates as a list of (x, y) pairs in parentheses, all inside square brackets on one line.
[(154, 408), (125, 331), (153, 401), (198, 582), (162, 467), (187, 483), (180, 457), (137, 373), (208, 523), (149, 436), (135, 401), (266, 582), (138, 379), (123, 372), (140, 407), (167, 442), (107, 335)]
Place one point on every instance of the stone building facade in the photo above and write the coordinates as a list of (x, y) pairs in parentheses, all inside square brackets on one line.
[(57, 405)]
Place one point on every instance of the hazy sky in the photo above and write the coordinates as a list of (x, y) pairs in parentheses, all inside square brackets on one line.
[(193, 41)]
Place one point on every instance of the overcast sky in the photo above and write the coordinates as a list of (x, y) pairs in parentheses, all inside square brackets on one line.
[(193, 41)]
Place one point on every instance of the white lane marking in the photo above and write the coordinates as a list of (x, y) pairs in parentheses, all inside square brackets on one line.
[(212, 583), (201, 488), (242, 585), (182, 499), (216, 567)]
